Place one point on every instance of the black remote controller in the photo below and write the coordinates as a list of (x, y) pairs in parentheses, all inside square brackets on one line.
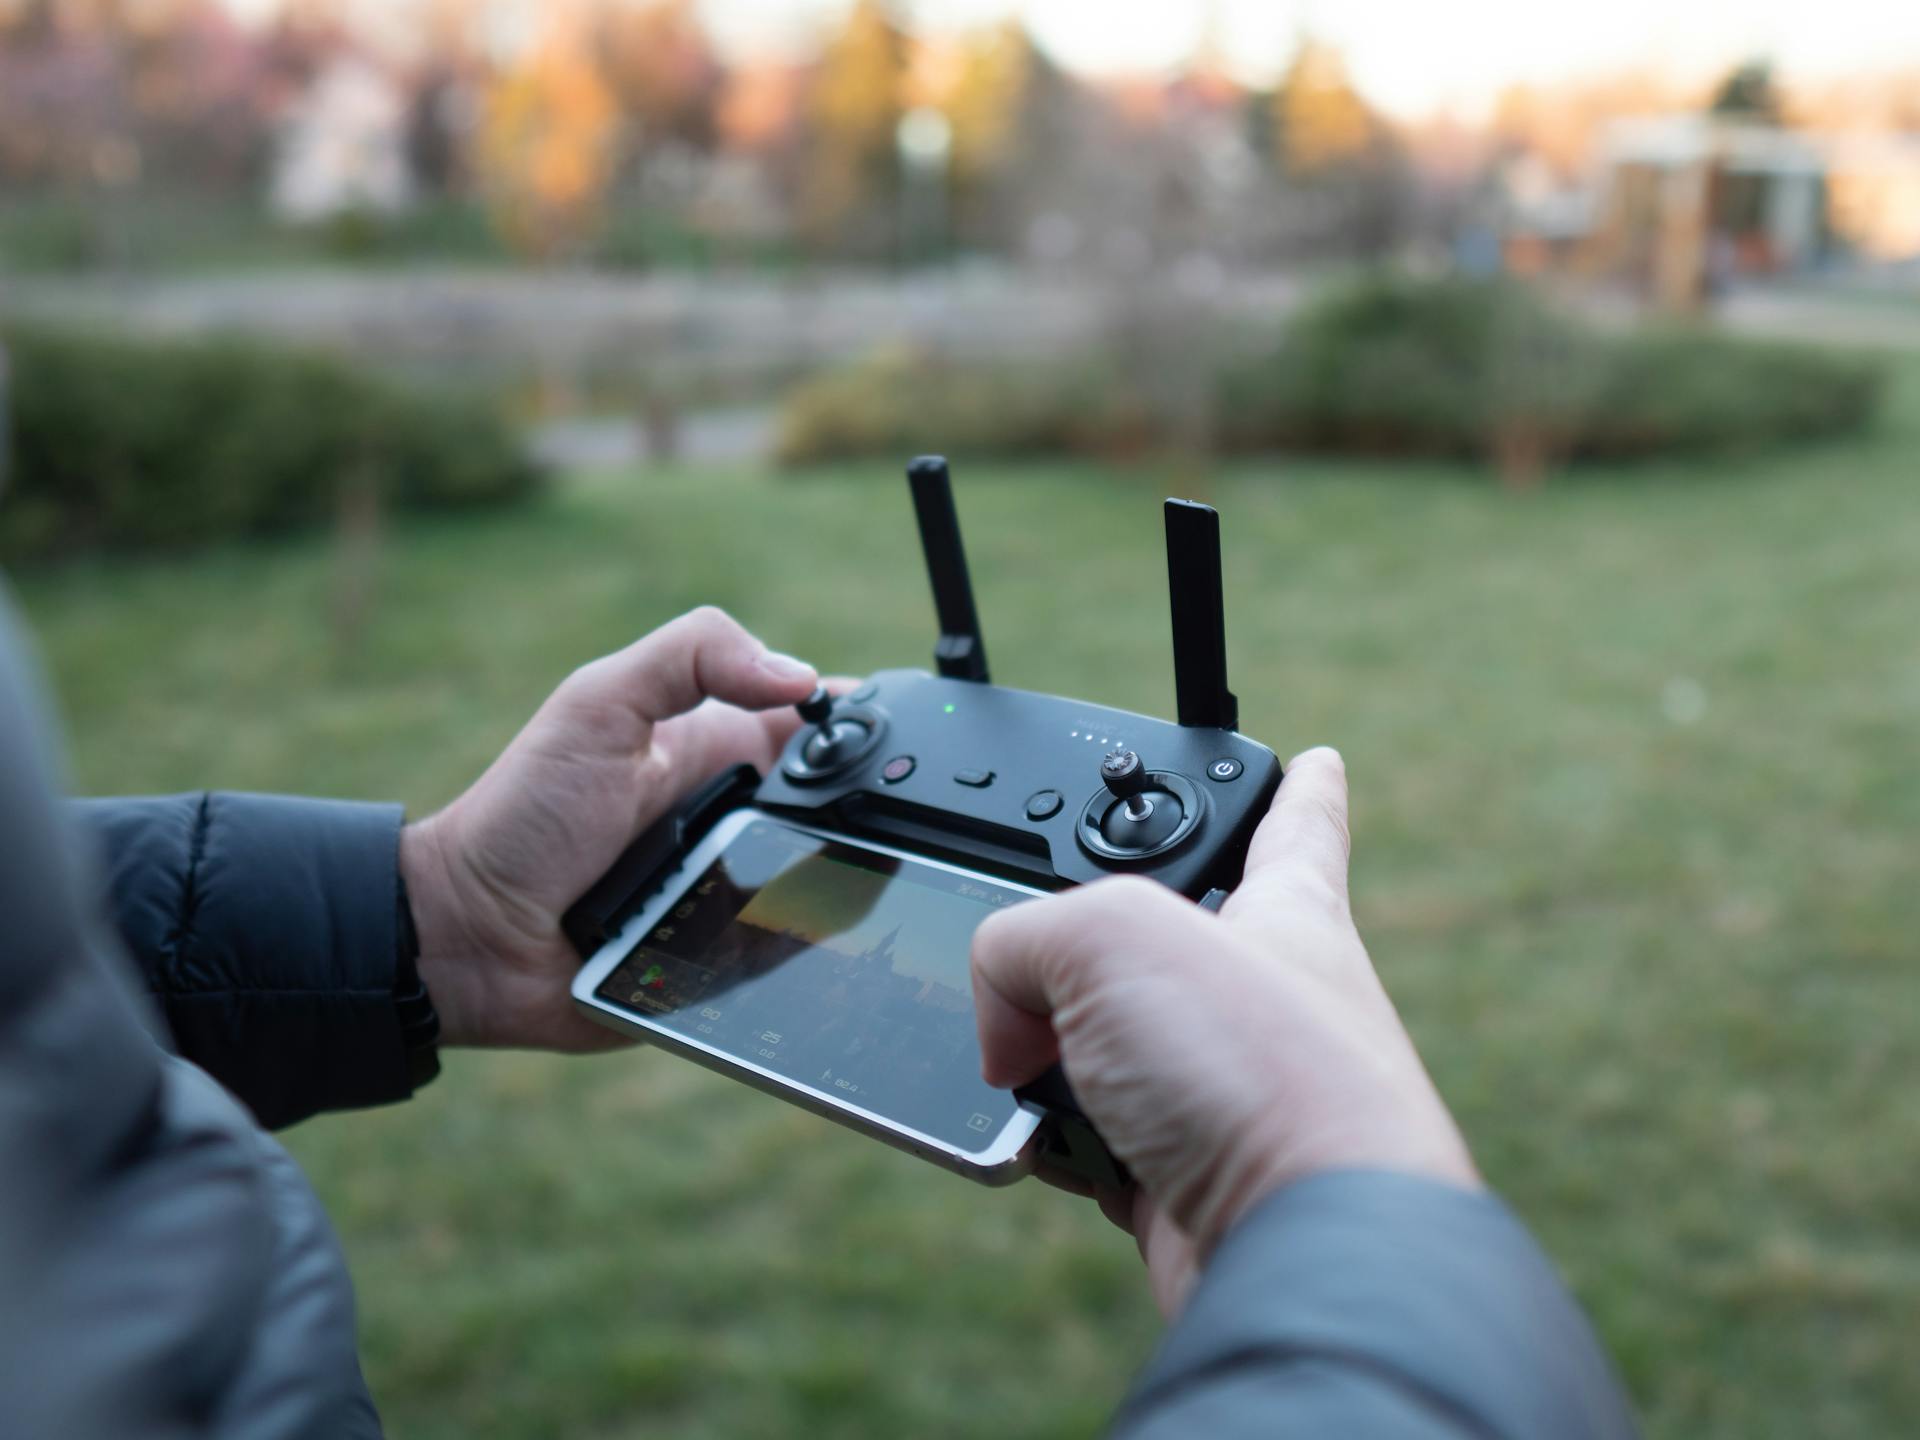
[(1039, 789)]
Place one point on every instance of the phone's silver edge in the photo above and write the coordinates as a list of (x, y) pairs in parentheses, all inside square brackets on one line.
[(1007, 1158)]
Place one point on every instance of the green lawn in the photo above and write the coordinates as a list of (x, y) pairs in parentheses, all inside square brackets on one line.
[(1636, 817)]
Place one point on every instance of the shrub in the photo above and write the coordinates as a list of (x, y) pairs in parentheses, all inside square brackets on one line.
[(121, 443), (1404, 365), (1689, 390), (1394, 364), (1383, 364), (900, 403)]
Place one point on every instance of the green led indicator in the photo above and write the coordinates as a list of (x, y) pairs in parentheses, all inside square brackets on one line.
[(948, 709)]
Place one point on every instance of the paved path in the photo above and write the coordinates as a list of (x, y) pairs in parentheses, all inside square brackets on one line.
[(592, 323), (742, 436)]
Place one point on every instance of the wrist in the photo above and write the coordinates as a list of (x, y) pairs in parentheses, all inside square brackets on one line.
[(444, 964), (412, 1003), (1427, 1147)]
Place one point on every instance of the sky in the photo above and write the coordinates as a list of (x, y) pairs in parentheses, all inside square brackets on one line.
[(1410, 57)]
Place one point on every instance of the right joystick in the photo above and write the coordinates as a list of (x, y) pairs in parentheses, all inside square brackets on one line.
[(1147, 814), (1123, 774)]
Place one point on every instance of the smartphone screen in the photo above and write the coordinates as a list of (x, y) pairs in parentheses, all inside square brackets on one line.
[(833, 965)]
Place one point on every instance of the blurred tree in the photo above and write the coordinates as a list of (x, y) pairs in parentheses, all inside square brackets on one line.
[(995, 73), (1321, 123), (446, 100), (1017, 137), (850, 169), (1338, 157), (299, 41), (546, 148), (662, 68), (440, 124), (24, 20), (1749, 92), (111, 93)]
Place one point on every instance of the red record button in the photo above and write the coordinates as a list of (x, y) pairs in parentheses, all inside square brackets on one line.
[(897, 769)]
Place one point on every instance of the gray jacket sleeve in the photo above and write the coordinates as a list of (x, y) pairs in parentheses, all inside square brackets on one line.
[(1363, 1303), (164, 1269)]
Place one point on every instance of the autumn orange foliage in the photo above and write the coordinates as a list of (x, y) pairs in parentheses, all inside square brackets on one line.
[(547, 144)]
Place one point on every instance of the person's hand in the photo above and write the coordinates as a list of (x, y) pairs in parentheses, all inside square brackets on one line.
[(611, 750), (1220, 1056)]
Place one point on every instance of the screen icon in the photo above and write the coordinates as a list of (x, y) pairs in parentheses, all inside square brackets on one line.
[(979, 1122)]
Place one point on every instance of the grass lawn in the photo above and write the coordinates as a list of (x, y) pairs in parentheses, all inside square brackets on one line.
[(1636, 819)]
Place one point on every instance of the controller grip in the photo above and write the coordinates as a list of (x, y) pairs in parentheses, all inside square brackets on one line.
[(596, 916), (1068, 1140)]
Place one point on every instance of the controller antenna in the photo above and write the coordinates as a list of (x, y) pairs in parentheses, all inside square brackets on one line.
[(1199, 617), (960, 653)]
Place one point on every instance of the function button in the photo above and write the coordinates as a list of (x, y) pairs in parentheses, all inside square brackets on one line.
[(897, 769), (978, 779), (1043, 804), (1224, 769), (865, 693)]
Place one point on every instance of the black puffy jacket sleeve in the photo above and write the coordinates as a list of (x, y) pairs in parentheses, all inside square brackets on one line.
[(267, 929)]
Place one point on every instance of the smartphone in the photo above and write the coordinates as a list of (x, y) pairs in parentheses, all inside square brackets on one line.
[(830, 972)]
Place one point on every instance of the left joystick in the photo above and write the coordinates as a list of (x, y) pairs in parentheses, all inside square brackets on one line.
[(834, 742), (816, 707)]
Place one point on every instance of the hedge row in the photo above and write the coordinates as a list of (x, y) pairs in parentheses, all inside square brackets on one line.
[(1395, 364), (1386, 364), (137, 443)]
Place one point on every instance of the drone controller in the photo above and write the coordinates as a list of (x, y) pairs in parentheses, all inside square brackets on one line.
[(1041, 790)]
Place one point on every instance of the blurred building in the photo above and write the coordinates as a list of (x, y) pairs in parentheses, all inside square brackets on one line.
[(1679, 206), (344, 144), (1873, 194)]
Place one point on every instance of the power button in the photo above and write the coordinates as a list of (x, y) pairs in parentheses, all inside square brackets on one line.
[(1224, 769)]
